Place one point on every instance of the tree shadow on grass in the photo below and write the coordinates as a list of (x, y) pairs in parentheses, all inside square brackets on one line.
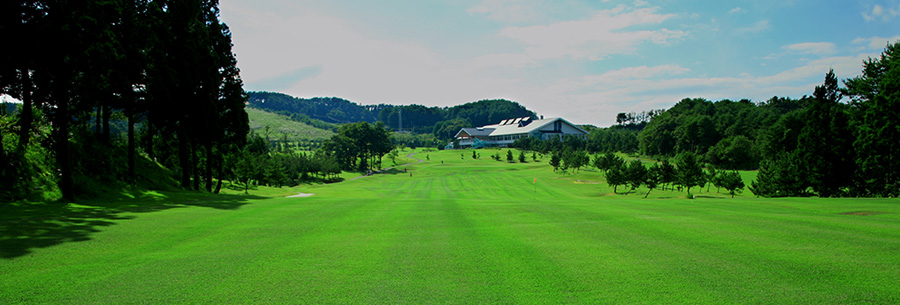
[(27, 226)]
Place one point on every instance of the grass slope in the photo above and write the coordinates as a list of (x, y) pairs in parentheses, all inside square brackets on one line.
[(280, 124), (457, 231)]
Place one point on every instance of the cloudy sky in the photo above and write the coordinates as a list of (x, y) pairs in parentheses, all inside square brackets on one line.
[(581, 60)]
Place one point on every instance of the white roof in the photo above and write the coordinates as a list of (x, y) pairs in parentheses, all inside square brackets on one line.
[(512, 129)]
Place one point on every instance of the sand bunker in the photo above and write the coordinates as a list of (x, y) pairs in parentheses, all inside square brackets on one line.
[(301, 195)]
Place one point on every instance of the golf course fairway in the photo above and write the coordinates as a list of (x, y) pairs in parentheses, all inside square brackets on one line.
[(453, 229)]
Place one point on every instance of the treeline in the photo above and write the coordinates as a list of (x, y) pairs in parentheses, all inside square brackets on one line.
[(327, 109), (832, 148), (445, 122), (728, 134), (263, 162), (686, 173), (599, 140), (359, 146), (836, 142), (165, 68), (442, 122)]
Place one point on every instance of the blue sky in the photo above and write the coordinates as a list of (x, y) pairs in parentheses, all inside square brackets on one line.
[(581, 60)]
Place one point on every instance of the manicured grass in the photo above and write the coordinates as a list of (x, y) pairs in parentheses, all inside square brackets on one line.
[(465, 231)]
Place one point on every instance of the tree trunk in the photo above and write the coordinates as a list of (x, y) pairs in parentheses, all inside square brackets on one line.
[(148, 146), (97, 121), (27, 118), (194, 164), (131, 148), (183, 158), (62, 146), (219, 165), (209, 161), (107, 112), (648, 193)]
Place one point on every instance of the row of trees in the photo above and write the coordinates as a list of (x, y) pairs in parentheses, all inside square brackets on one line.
[(836, 142), (685, 173), (832, 148), (598, 140), (331, 110), (442, 122), (258, 163), (359, 146), (164, 68)]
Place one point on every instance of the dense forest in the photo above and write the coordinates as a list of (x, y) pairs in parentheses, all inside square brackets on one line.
[(327, 109), (839, 141), (442, 122), (163, 69)]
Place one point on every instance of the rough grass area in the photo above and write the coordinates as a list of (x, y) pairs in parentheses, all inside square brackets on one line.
[(280, 124), (465, 231)]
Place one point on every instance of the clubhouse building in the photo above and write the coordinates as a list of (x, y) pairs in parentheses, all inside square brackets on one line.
[(508, 131)]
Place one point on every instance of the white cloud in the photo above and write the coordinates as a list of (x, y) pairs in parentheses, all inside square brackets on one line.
[(844, 67), (604, 34), (598, 97), (876, 43), (812, 48), (879, 12), (642, 72), (756, 27), (8, 99), (508, 11), (736, 10), (349, 62)]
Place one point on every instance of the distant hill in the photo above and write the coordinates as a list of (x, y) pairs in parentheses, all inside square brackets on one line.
[(280, 125), (327, 109), (443, 122)]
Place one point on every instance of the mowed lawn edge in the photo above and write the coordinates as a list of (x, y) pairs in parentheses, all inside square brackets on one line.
[(459, 230)]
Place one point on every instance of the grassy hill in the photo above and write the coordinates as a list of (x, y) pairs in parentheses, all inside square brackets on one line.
[(454, 230), (280, 124)]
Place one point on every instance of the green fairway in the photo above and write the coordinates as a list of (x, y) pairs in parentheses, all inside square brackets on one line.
[(453, 230)]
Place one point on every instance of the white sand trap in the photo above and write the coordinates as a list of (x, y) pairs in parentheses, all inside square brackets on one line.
[(301, 195)]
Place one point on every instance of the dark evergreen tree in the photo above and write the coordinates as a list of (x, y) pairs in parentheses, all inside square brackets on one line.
[(653, 178), (689, 173), (825, 143), (876, 96), (668, 174), (555, 160), (731, 181), (636, 174), (617, 175)]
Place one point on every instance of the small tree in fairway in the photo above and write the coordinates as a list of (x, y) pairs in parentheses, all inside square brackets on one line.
[(731, 181), (689, 173), (635, 174), (616, 176), (554, 161), (652, 178)]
